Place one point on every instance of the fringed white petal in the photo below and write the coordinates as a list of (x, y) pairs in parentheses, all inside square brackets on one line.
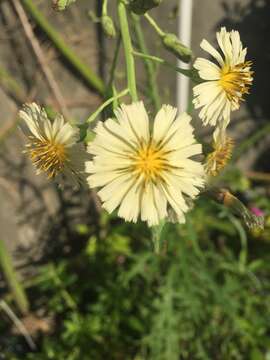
[(141, 172)]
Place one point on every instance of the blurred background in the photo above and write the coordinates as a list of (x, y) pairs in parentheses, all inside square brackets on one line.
[(76, 283)]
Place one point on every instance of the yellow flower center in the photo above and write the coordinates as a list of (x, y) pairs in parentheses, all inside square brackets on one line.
[(47, 156), (150, 161), (236, 80)]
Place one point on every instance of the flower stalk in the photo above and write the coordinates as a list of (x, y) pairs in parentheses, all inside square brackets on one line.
[(171, 41), (192, 73), (130, 64), (105, 104), (107, 22), (155, 26)]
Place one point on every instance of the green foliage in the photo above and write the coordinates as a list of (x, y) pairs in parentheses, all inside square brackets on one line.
[(203, 297)]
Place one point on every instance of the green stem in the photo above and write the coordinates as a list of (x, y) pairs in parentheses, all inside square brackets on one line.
[(115, 103), (105, 104), (150, 69), (189, 73), (104, 7), (11, 277), (156, 241), (90, 77), (157, 233), (130, 65), (154, 25)]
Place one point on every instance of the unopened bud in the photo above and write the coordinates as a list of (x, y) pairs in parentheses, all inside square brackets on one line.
[(251, 220), (173, 44), (142, 6), (61, 4), (108, 26)]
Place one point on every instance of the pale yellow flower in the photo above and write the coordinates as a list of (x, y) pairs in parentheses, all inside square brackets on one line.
[(145, 170), (225, 82), (52, 145)]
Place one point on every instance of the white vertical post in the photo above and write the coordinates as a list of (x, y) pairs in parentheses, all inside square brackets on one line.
[(184, 34)]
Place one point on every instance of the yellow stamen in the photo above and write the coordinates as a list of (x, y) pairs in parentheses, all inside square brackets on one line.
[(236, 80), (219, 158), (47, 156), (150, 161)]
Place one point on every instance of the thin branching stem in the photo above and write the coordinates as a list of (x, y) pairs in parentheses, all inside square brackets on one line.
[(105, 104), (189, 73), (153, 23)]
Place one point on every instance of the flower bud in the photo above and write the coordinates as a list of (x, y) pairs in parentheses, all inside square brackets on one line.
[(251, 220), (61, 4), (142, 6), (108, 26), (173, 44)]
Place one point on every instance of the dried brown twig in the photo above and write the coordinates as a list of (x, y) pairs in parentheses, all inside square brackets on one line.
[(40, 57)]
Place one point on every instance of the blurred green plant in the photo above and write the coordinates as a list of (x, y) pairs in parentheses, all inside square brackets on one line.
[(7, 267), (202, 295), (205, 296)]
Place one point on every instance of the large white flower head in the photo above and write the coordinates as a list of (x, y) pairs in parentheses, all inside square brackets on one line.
[(226, 82), (144, 170), (52, 145)]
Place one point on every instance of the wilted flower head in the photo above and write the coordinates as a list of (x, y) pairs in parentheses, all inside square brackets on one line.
[(253, 221), (144, 170), (221, 154), (52, 146), (226, 82)]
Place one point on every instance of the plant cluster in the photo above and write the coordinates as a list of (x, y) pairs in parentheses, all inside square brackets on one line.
[(203, 292), (149, 169)]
